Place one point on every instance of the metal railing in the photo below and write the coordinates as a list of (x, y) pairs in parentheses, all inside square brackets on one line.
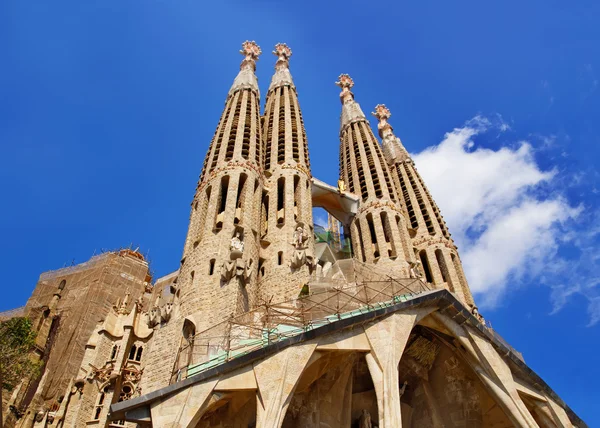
[(271, 323)]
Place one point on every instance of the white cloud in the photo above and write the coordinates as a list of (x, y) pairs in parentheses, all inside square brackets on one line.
[(505, 229)]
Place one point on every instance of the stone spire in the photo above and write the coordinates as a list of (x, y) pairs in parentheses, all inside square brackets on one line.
[(378, 231), (282, 74), (246, 79), (222, 245), (393, 149), (351, 110), (435, 252), (287, 253)]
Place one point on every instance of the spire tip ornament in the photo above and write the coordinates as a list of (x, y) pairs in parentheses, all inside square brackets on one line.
[(381, 112), (282, 51), (345, 82), (251, 50)]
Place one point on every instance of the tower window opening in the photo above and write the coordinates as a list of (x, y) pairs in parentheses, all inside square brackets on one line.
[(372, 168), (269, 135), (219, 141), (303, 130), (264, 224), (420, 201), (295, 142), (280, 258), (296, 196), (257, 144), (387, 233), (425, 264), (460, 274), (375, 247), (247, 125), (383, 164), (192, 276), (100, 402), (281, 128), (234, 127), (359, 239), (348, 168), (132, 352), (359, 166), (405, 193), (261, 268), (281, 201), (240, 199), (211, 267), (138, 355), (62, 284), (113, 354), (439, 256), (222, 202)]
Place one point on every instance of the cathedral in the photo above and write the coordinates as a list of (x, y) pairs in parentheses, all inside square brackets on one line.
[(269, 322)]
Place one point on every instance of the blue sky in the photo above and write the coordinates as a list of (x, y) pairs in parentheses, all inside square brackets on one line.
[(108, 108)]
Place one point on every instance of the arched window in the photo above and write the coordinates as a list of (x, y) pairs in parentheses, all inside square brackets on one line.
[(100, 402), (138, 355), (443, 268), (281, 201), (132, 351), (425, 264), (62, 284), (187, 343)]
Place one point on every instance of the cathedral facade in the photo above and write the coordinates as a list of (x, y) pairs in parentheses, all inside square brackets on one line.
[(265, 324)]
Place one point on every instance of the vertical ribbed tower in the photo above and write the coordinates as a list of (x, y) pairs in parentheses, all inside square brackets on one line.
[(220, 258), (287, 253), (378, 231), (433, 246)]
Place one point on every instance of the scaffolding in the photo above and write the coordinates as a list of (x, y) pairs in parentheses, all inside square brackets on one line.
[(12, 313), (270, 323)]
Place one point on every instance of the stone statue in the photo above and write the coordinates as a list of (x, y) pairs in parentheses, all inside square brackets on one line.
[(403, 388), (415, 270), (341, 186), (236, 247), (300, 238), (365, 420), (165, 312)]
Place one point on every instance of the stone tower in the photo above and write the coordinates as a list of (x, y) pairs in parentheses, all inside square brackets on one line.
[(287, 252), (434, 249), (378, 231), (220, 258)]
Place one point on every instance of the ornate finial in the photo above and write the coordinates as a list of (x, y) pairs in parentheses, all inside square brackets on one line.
[(282, 51), (345, 82), (381, 112), (251, 50)]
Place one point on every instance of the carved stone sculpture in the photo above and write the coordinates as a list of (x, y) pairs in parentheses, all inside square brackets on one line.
[(300, 237), (236, 247), (165, 312), (365, 420), (415, 270), (153, 317)]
